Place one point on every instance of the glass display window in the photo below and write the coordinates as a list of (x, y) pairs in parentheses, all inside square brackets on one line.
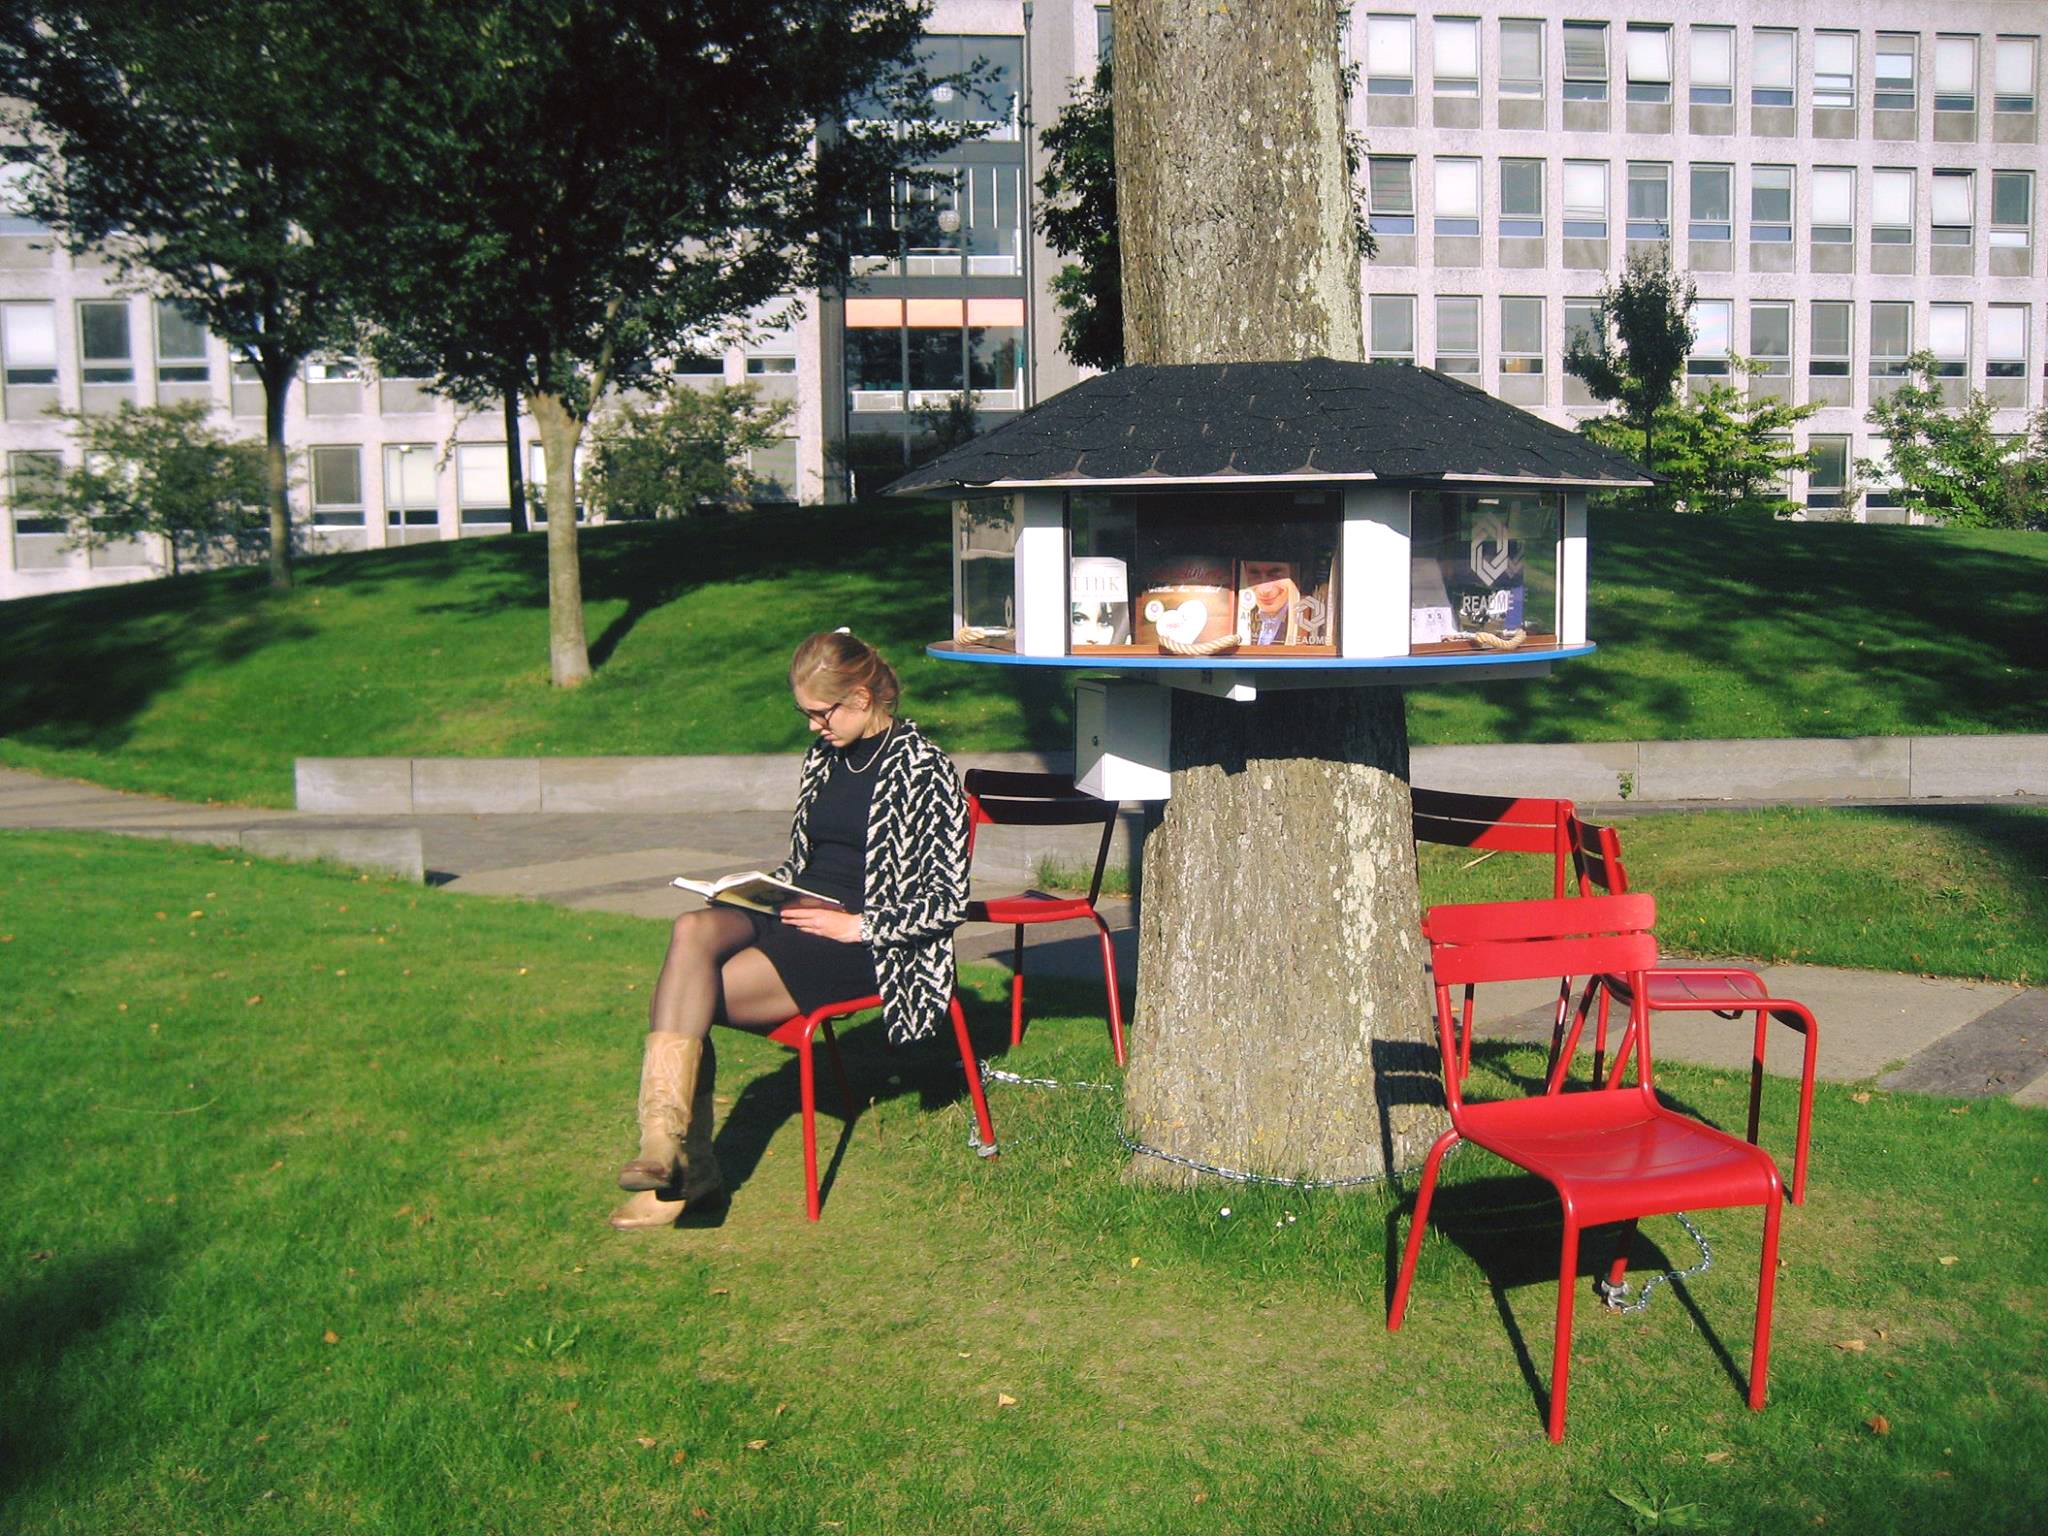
[(1483, 571), (1204, 574), (985, 573)]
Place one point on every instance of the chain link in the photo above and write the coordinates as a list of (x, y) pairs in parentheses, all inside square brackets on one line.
[(1626, 1298)]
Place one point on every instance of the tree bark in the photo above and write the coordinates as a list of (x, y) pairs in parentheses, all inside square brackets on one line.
[(568, 651), (515, 471), (277, 384), (1283, 1021)]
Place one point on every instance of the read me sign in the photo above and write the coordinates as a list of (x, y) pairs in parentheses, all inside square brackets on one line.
[(1232, 527)]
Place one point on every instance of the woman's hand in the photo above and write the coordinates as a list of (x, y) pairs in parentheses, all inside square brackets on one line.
[(827, 922)]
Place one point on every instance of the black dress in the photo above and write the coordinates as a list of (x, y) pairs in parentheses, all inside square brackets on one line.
[(818, 970)]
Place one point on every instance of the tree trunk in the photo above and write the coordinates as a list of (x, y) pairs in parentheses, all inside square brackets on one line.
[(568, 652), (277, 384), (515, 472), (1283, 1022)]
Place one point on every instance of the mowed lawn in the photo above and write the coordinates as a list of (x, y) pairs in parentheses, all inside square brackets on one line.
[(207, 687), (304, 1233)]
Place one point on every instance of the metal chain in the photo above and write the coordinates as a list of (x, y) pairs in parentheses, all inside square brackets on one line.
[(1269, 1180), (1625, 1298)]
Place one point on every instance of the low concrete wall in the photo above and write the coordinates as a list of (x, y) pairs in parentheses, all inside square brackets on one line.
[(383, 849), (1597, 773)]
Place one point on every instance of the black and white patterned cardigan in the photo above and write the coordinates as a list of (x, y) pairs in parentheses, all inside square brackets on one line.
[(914, 888)]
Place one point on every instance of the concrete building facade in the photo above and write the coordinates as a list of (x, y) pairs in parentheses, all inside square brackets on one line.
[(1847, 181)]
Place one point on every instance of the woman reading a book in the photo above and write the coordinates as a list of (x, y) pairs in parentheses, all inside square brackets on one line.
[(880, 830)]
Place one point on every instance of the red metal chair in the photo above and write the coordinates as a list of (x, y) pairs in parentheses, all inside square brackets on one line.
[(1728, 991), (1044, 800), (1499, 824), (800, 1032), (1612, 1157)]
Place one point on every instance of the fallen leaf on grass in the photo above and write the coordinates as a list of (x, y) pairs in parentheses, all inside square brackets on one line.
[(1947, 1259), (1851, 1346), (679, 1458), (1136, 1261), (699, 1512), (1719, 1456), (1878, 1424), (195, 913), (42, 1255), (1201, 1498), (1859, 1098), (757, 1445), (1960, 1109), (645, 1442), (571, 1405), (330, 1337), (1004, 1400), (251, 1002), (781, 1409)]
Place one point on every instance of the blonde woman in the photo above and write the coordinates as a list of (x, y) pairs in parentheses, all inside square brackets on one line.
[(881, 825)]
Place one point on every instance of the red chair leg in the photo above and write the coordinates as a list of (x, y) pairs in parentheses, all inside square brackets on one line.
[(1465, 1039), (807, 1091), (1811, 1030), (1617, 1272), (973, 1070), (1116, 1006), (1561, 1056), (1766, 1285), (839, 1071), (1756, 1075), (1561, 1348), (1416, 1226), (1017, 990), (1600, 1041)]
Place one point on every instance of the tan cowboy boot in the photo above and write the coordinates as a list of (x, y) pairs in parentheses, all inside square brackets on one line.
[(668, 1081), (698, 1183)]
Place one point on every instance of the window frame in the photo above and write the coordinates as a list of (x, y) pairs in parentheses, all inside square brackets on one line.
[(1833, 494), (36, 375), (1891, 97), (1946, 230), (1718, 231), (1704, 364), (1606, 219), (1949, 364), (1650, 89), (1841, 95), (105, 369), (1521, 85), (399, 511), (1882, 231), (1441, 28), (1888, 364), (1454, 362), (2004, 233), (1770, 365), (1710, 95), (1394, 301), (1376, 83), (1830, 363), (1517, 224), (1581, 82), (1764, 89), (1466, 167), (1632, 225), (1389, 221), (30, 520), (1945, 45), (2004, 365), (1524, 361), (1823, 177), (2007, 48), (179, 367), (1757, 225), (328, 511)]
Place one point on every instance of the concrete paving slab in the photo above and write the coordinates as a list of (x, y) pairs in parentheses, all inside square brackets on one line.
[(387, 849), (2035, 1094), (565, 877), (2000, 1052), (1974, 767), (358, 786), (1591, 772), (1804, 769), (476, 784)]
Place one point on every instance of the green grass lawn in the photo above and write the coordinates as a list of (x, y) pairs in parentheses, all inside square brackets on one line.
[(304, 1233), (208, 686)]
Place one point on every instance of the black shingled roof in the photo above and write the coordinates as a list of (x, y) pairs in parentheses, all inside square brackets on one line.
[(1238, 421)]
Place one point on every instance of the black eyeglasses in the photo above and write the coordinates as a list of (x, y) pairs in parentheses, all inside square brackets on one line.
[(819, 716)]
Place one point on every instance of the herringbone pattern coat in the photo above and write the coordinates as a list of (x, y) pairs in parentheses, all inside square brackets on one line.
[(914, 888)]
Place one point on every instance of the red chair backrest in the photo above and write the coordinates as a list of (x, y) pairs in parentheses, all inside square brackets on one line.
[(1498, 823), (998, 798), (1492, 941), (1596, 851)]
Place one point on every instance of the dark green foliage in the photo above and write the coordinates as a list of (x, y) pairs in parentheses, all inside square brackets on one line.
[(1946, 462), (684, 449), (161, 470), (1718, 449), (1078, 219), (1639, 340)]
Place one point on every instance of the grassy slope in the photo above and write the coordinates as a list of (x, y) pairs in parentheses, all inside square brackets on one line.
[(209, 686), (304, 1233)]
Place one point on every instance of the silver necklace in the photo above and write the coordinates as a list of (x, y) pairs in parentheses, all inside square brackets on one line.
[(874, 756)]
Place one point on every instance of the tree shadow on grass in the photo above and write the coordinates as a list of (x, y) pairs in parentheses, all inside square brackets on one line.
[(48, 1316)]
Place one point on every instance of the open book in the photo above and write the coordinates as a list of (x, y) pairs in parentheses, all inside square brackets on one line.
[(753, 890)]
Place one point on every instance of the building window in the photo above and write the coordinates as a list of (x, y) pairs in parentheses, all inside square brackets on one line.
[(1585, 199), (180, 345), (33, 480), (1521, 335), (1392, 195), (1954, 207), (1649, 63), (1827, 349), (15, 218), (2012, 208), (990, 106), (334, 370), (938, 370), (1712, 211), (1891, 339), (1521, 199), (1948, 337), (1585, 61), (1103, 31), (483, 485), (1649, 200), (995, 351), (1898, 59), (1457, 335), (1770, 338), (1393, 328), (1834, 69), (1834, 205), (1829, 474), (1713, 66), (934, 227), (1774, 66), (1390, 55), (28, 343), (1708, 358), (760, 363), (2008, 337), (1457, 197), (1456, 41), (2012, 78), (1891, 207), (1883, 494), (874, 354), (1770, 204), (1955, 74), (1521, 58), (410, 497), (103, 346), (1581, 322), (337, 487), (993, 220)]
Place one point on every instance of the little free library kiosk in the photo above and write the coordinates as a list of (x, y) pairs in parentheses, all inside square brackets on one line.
[(1233, 528)]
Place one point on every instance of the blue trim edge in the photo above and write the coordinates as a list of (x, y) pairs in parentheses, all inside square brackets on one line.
[(1233, 663)]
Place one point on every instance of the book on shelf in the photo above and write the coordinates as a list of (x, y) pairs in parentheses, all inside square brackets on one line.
[(754, 891)]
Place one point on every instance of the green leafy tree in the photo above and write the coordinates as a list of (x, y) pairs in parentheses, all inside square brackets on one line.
[(1720, 450), (947, 425), (1635, 351), (563, 193), (1946, 462), (188, 145), (1077, 216), (159, 470), (687, 448)]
